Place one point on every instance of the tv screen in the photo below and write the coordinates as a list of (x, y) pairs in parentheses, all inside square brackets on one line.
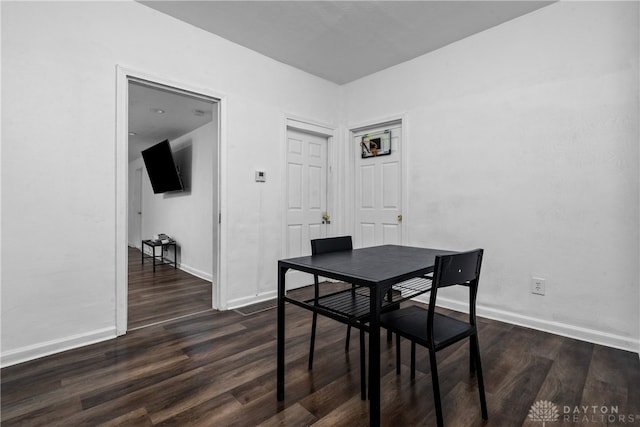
[(161, 167)]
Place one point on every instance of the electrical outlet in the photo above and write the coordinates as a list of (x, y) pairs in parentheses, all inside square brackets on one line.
[(537, 285)]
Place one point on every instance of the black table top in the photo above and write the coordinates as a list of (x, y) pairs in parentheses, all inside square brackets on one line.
[(369, 266)]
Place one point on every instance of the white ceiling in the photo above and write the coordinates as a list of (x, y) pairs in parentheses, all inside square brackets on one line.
[(342, 41), (181, 114)]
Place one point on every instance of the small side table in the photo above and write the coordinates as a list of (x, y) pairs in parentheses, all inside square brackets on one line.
[(159, 259)]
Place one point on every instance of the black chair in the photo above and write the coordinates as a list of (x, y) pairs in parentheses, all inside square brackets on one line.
[(322, 246), (349, 306), (326, 245), (436, 331)]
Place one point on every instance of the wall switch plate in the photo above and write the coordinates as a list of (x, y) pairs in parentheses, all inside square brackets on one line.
[(261, 176), (538, 285)]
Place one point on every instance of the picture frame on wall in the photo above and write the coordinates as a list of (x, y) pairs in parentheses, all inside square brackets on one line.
[(376, 144)]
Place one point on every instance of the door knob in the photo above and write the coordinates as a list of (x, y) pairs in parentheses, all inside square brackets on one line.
[(400, 218), (325, 218)]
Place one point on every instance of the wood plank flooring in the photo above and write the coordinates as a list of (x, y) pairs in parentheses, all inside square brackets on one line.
[(166, 294), (218, 369)]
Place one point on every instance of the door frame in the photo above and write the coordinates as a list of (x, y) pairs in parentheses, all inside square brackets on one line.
[(325, 131), (219, 291), (350, 135)]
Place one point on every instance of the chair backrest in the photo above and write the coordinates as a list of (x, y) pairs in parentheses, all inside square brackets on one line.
[(331, 244), (457, 269)]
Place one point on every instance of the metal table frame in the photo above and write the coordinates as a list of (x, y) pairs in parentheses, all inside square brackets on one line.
[(159, 259), (377, 268)]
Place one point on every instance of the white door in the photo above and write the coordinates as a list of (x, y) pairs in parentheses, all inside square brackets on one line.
[(378, 187), (306, 197), (136, 199)]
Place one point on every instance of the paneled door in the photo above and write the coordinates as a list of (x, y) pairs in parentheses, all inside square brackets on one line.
[(306, 197), (378, 201), (135, 210)]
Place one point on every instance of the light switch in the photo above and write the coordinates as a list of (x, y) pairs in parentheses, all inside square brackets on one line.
[(261, 176)]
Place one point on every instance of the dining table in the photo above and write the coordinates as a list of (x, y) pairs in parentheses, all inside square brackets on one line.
[(389, 274)]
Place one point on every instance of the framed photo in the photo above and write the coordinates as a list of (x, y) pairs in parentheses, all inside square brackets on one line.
[(376, 144)]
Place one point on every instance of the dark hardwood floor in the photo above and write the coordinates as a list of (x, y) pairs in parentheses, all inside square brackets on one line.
[(166, 294), (218, 369)]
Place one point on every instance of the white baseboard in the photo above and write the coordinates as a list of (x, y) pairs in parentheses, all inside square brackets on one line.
[(23, 354), (557, 328), (27, 353), (195, 272), (241, 302), (188, 269), (184, 267)]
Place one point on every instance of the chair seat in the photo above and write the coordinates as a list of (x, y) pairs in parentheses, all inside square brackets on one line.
[(410, 322)]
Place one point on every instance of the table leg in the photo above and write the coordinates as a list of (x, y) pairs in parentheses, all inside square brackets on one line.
[(374, 357), (281, 293)]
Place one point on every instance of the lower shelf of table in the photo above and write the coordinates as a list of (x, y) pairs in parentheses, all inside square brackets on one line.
[(352, 305)]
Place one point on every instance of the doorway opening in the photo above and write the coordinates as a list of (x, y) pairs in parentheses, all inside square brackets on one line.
[(189, 120)]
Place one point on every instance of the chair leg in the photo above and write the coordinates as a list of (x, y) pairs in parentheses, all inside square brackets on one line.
[(436, 388), (363, 376), (478, 365), (313, 339), (472, 357), (413, 360), (346, 344), (397, 354)]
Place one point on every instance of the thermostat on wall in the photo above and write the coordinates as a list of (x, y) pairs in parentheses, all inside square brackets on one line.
[(261, 176)]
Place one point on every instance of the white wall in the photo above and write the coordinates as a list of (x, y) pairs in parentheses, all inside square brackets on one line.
[(523, 140), (59, 149), (186, 216)]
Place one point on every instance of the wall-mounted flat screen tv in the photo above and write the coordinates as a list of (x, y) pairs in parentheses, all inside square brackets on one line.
[(161, 167)]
